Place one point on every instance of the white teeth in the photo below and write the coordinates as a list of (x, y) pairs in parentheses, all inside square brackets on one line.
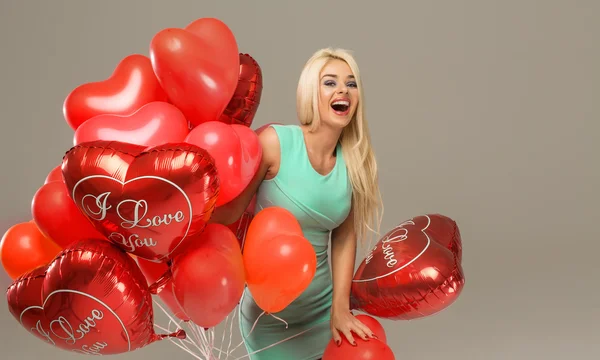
[(342, 102)]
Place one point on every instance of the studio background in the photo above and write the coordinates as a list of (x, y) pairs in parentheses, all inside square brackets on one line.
[(484, 111)]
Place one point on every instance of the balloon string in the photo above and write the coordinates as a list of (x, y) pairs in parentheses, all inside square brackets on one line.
[(230, 334), (280, 319), (255, 322)]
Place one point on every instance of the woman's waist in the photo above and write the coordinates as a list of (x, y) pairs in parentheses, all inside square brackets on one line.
[(316, 298), (318, 239)]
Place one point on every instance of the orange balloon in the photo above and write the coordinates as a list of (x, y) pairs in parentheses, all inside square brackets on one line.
[(279, 269), (270, 222), (24, 248)]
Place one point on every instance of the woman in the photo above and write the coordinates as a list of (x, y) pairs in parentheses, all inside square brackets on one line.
[(324, 172)]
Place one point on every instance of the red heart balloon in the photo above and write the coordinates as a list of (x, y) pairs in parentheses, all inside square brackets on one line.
[(57, 216), (410, 273), (153, 124), (131, 85), (243, 105), (198, 67), (146, 200), (92, 299), (209, 278), (218, 37), (279, 262), (237, 153)]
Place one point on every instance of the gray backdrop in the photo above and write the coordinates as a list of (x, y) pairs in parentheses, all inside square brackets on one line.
[(484, 111)]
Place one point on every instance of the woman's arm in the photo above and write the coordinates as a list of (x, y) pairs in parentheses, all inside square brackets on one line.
[(229, 213), (343, 256)]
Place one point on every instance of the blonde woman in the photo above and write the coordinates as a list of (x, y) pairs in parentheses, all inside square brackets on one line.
[(324, 172)]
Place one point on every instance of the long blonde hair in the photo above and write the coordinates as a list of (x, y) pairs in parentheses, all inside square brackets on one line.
[(355, 140)]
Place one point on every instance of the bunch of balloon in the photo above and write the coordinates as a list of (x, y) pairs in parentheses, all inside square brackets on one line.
[(157, 147)]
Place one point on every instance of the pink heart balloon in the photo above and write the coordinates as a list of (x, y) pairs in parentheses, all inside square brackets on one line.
[(153, 124)]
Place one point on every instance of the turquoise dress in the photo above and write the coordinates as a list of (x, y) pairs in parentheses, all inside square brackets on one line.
[(320, 203)]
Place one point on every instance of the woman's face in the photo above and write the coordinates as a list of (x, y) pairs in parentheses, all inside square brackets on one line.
[(338, 94)]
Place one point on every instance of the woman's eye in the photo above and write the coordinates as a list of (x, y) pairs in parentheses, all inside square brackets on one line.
[(352, 84), (329, 83)]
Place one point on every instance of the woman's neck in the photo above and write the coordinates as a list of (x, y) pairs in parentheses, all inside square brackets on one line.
[(322, 142)]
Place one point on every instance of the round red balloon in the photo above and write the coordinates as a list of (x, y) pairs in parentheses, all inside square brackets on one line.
[(209, 278), (54, 175), (148, 201), (131, 85), (237, 153), (364, 350), (198, 67), (409, 273), (58, 217), (373, 325), (155, 123), (24, 248), (92, 299)]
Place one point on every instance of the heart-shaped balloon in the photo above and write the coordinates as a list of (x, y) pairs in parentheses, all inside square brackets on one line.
[(131, 85), (280, 262), (155, 123), (92, 299), (243, 105), (198, 67), (411, 272), (237, 153), (146, 200)]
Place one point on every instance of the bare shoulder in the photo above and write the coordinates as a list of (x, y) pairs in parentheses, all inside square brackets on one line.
[(271, 151)]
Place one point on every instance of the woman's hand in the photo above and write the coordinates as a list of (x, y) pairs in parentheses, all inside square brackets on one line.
[(344, 322)]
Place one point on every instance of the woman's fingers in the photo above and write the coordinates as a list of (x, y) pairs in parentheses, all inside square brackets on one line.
[(336, 336), (357, 329), (348, 335), (365, 328)]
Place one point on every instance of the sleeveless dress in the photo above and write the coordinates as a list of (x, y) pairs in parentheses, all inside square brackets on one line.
[(320, 203)]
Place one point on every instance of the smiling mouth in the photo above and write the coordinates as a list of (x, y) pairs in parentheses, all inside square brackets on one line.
[(340, 106)]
